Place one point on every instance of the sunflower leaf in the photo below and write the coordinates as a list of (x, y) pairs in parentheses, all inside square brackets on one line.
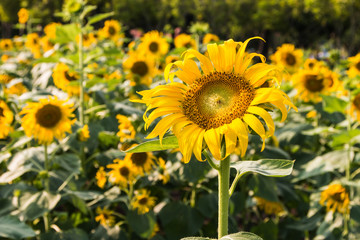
[(99, 17), (266, 167), (333, 104), (12, 227), (241, 236), (154, 145)]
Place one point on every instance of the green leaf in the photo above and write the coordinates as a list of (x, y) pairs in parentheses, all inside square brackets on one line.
[(87, 9), (241, 236), (333, 104), (66, 33), (151, 146), (197, 238), (355, 213), (99, 17), (69, 162), (345, 137), (142, 224), (12, 227), (266, 167)]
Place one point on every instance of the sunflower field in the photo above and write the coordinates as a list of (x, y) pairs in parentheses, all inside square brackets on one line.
[(110, 130)]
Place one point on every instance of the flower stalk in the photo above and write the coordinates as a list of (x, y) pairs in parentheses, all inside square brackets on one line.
[(224, 180)]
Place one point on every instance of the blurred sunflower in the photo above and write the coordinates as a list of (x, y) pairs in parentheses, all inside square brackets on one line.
[(88, 39), (114, 75), (171, 59), (50, 30), (142, 162), (122, 173), (354, 66), (126, 129), (164, 175), (288, 57), (16, 89), (311, 63), (23, 15), (139, 68), (6, 44), (336, 198), (111, 30), (6, 118), (142, 201), (83, 133), (210, 38), (269, 207), (184, 40), (154, 44), (311, 84), (46, 44), (355, 107), (66, 79), (32, 41), (46, 119), (105, 217), (5, 57), (100, 177), (4, 78), (219, 103)]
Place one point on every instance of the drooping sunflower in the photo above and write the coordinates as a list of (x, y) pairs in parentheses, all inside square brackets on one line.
[(111, 30), (269, 207), (50, 30), (142, 201), (288, 57), (139, 68), (210, 38), (141, 162), (66, 79), (6, 44), (184, 40), (122, 173), (105, 216), (126, 129), (47, 119), (23, 15), (354, 66), (310, 84), (217, 104), (154, 44), (336, 198), (6, 118), (101, 177)]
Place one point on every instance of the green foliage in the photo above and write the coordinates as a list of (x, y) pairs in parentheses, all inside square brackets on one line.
[(155, 145), (11, 227)]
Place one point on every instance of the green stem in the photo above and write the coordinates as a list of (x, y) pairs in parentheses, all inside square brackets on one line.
[(224, 180), (46, 221), (210, 160)]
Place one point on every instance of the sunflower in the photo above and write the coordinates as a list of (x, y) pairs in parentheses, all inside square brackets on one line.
[(355, 107), (65, 79), (171, 59), (111, 30), (142, 162), (336, 198), (122, 173), (83, 133), (126, 129), (269, 207), (184, 40), (6, 118), (142, 201), (354, 66), (4, 78), (311, 84), (311, 63), (219, 103), (6, 44), (210, 38), (88, 39), (100, 177), (154, 44), (46, 44), (46, 119), (5, 57), (16, 89), (23, 15), (50, 30), (32, 41), (139, 68), (163, 172), (105, 217), (288, 57)]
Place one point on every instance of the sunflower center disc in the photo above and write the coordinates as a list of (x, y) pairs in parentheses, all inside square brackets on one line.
[(143, 201), (356, 102), (139, 159), (154, 47), (2, 112), (111, 30), (358, 66), (140, 68), (337, 197), (188, 45), (290, 59), (217, 99), (313, 83), (48, 116), (70, 76), (124, 171)]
